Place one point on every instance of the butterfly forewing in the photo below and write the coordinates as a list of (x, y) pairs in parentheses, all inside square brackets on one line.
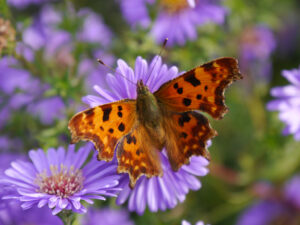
[(201, 88), (104, 125)]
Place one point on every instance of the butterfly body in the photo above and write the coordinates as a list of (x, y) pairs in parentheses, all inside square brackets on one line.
[(147, 107), (168, 118)]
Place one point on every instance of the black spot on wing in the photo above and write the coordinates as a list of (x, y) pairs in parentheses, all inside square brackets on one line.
[(106, 113), (184, 118), (183, 134), (134, 139), (121, 127), (179, 90), (175, 85), (190, 78), (120, 114), (129, 139), (89, 112), (208, 66), (111, 130), (199, 96), (186, 101)]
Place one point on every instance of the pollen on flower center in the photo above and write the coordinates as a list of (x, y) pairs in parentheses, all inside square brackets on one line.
[(173, 6), (63, 183)]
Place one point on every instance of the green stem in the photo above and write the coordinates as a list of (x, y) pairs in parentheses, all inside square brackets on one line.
[(67, 217)]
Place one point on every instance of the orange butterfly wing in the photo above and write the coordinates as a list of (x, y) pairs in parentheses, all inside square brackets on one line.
[(187, 134), (201, 88), (104, 125), (138, 155)]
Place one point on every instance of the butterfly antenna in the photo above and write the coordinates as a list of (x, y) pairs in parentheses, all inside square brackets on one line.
[(116, 72), (160, 54)]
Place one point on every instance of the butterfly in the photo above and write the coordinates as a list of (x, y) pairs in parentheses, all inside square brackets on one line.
[(138, 129)]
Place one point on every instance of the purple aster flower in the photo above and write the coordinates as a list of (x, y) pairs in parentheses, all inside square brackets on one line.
[(106, 216), (184, 222), (256, 46), (177, 20), (288, 102), (59, 179), (276, 207), (159, 193)]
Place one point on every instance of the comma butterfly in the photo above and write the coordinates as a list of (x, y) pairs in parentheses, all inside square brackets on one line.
[(140, 128)]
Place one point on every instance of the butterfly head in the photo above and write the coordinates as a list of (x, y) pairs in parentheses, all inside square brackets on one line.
[(141, 88)]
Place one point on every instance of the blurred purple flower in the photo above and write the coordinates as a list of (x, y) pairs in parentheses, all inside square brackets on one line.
[(93, 29), (159, 193), (45, 34), (93, 72), (257, 43), (59, 179), (18, 88), (136, 12), (256, 46), (21, 4), (9, 145), (288, 102), (177, 20), (184, 222), (278, 208), (48, 109), (106, 216)]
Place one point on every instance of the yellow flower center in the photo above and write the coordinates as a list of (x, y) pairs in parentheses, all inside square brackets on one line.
[(63, 183), (173, 6)]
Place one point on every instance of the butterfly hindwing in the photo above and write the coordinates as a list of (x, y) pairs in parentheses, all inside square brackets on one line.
[(104, 125), (137, 155), (201, 88), (187, 134)]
